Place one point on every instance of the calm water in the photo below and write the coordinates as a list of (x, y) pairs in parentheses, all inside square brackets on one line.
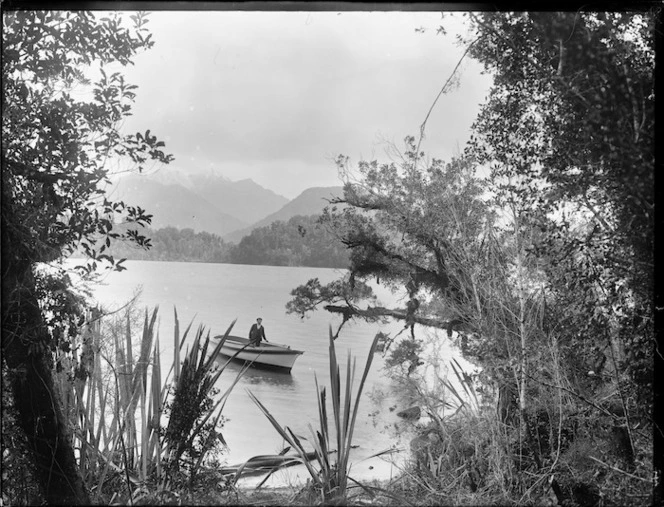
[(214, 295)]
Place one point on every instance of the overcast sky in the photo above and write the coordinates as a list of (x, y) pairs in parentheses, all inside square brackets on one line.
[(275, 96)]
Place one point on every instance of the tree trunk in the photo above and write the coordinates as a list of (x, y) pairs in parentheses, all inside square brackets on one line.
[(521, 275), (25, 348)]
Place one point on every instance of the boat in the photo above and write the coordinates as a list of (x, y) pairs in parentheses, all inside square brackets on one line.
[(266, 355)]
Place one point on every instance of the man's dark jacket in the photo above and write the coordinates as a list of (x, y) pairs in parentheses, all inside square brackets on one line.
[(256, 334)]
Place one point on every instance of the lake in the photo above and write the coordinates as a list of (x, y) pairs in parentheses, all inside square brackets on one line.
[(216, 294)]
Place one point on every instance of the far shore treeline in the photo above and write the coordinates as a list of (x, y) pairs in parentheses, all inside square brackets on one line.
[(300, 241)]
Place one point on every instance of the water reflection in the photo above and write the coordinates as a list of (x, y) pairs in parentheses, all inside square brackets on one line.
[(254, 376)]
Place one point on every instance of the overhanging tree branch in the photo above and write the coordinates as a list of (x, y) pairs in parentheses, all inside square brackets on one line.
[(374, 313)]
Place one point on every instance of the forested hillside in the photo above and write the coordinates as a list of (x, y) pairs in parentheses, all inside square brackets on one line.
[(172, 244), (301, 241)]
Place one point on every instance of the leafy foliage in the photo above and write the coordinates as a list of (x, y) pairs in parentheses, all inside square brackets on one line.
[(308, 296), (19, 486), (569, 129), (399, 222), (60, 129), (55, 145), (543, 267), (564, 137), (63, 307)]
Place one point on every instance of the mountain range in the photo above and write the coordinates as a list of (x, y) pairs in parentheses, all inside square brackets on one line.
[(214, 204), (310, 202)]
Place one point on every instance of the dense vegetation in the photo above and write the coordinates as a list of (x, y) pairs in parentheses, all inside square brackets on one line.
[(172, 244), (301, 241), (55, 149), (532, 250)]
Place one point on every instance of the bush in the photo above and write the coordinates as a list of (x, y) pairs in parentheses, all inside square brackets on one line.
[(18, 483)]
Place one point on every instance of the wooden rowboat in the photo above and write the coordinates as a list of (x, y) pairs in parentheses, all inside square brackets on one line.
[(267, 355)]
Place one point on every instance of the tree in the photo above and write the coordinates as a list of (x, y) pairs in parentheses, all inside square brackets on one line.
[(569, 127), (568, 134), (54, 152), (544, 268), (402, 222)]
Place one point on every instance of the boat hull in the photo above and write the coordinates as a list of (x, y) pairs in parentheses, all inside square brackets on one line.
[(267, 355)]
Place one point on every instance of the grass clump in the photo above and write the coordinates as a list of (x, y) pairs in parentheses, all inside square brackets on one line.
[(329, 468), (562, 448)]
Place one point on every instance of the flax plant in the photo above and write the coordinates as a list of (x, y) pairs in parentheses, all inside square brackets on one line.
[(331, 476), (194, 416), (117, 406), (468, 400)]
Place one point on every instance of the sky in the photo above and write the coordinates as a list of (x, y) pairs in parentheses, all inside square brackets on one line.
[(276, 96)]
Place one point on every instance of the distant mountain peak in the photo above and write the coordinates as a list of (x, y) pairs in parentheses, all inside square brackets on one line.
[(310, 202), (167, 176), (200, 199), (172, 204)]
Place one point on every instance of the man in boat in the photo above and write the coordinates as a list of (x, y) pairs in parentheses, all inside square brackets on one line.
[(257, 333)]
